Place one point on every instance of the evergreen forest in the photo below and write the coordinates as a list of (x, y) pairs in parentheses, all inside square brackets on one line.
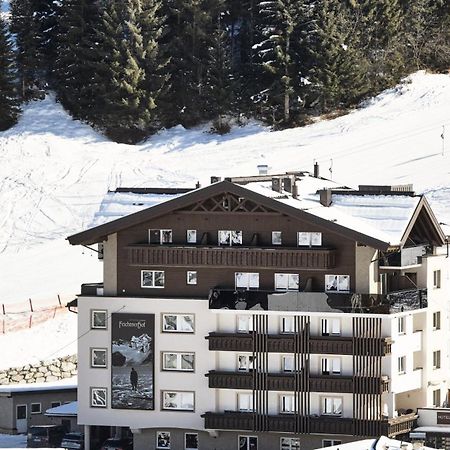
[(131, 67)]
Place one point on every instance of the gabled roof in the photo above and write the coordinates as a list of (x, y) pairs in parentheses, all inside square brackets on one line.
[(380, 221), (100, 232)]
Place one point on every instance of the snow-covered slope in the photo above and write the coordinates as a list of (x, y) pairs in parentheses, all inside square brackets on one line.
[(54, 171)]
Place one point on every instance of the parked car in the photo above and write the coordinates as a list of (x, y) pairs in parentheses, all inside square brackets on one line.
[(118, 444), (45, 436), (73, 441)]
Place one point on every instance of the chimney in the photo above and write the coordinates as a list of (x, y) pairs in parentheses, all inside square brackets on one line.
[(287, 184), (215, 179), (316, 170), (262, 169), (295, 190), (276, 184), (198, 185), (325, 197)]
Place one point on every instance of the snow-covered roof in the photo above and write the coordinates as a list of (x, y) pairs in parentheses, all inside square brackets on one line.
[(65, 384), (119, 204), (68, 409), (384, 217)]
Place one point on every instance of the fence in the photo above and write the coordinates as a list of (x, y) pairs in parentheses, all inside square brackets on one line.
[(17, 316)]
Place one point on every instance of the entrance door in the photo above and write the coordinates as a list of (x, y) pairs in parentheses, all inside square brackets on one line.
[(21, 418)]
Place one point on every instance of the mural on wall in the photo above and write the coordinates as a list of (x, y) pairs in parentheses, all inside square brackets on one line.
[(132, 361)]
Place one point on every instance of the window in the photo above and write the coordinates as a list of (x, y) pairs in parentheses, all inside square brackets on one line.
[(152, 279), (190, 441), (330, 326), (289, 443), (337, 283), (276, 237), (330, 366), (162, 439), (191, 236), (36, 408), (288, 324), (182, 401), (309, 239), (287, 281), (401, 325), (248, 443), (99, 319), (246, 280), (55, 404), (437, 359), (437, 398), (245, 363), (330, 442), (245, 402), (401, 362), (21, 412), (332, 406), (229, 237), (178, 323), (436, 279), (178, 361), (159, 236), (98, 357), (98, 397), (191, 277), (287, 404), (437, 320), (244, 324), (288, 363)]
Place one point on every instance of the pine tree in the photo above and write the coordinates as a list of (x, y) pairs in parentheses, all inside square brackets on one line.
[(220, 84), (336, 68), (74, 68), (9, 105), (128, 72), (33, 22), (281, 24)]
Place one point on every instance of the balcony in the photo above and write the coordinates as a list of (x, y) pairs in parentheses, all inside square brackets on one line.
[(406, 257), (285, 343), (408, 300), (286, 382), (246, 257), (287, 423)]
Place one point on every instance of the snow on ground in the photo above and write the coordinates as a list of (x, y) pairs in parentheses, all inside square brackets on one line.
[(49, 340), (54, 171), (13, 441)]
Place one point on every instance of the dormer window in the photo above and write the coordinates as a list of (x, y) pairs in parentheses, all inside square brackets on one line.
[(230, 237), (158, 236), (309, 239)]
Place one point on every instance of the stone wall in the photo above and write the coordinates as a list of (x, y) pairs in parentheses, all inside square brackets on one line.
[(43, 371)]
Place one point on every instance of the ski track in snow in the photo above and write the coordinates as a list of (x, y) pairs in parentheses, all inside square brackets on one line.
[(54, 171)]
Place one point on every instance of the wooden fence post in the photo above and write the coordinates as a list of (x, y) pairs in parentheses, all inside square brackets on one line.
[(31, 305), (59, 300)]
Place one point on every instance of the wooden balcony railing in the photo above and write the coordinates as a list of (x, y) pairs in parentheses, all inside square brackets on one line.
[(284, 343), (248, 257), (286, 382), (287, 423)]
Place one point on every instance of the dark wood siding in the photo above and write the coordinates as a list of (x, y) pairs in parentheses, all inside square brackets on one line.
[(261, 224)]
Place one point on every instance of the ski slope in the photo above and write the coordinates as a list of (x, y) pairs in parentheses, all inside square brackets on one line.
[(54, 171)]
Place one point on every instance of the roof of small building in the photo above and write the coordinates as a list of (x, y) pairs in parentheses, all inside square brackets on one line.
[(23, 388), (66, 410), (381, 220)]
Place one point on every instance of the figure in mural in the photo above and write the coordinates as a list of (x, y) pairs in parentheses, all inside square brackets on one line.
[(134, 379)]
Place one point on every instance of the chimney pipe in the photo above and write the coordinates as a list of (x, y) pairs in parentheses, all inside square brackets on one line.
[(316, 170), (197, 185), (215, 179), (295, 190), (325, 197)]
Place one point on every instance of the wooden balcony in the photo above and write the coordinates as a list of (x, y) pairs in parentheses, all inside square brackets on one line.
[(284, 343), (286, 382), (248, 257), (289, 423)]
